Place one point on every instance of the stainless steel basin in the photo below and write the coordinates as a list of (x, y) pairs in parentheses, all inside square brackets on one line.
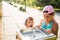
[(36, 34)]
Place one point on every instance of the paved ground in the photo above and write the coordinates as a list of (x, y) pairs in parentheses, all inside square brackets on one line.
[(14, 19)]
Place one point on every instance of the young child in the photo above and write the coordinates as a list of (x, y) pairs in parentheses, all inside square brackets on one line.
[(29, 22), (48, 22)]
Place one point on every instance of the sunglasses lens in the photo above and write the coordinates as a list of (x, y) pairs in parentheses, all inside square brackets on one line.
[(45, 11)]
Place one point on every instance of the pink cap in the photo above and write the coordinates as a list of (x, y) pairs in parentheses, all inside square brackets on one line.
[(48, 8)]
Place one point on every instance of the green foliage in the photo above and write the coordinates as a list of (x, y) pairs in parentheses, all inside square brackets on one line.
[(10, 3), (0, 0), (15, 6), (54, 3), (45, 1), (22, 9), (38, 3), (58, 4), (21, 1)]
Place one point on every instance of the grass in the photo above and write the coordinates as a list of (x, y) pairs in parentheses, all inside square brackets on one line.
[(40, 8), (57, 10)]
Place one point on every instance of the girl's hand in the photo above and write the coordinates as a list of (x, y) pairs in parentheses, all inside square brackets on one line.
[(38, 26), (49, 31)]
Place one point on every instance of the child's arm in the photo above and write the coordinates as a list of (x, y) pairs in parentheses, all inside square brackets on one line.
[(40, 23), (55, 29)]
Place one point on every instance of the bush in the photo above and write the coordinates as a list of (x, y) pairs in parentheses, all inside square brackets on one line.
[(11, 3), (58, 4), (22, 9), (15, 6)]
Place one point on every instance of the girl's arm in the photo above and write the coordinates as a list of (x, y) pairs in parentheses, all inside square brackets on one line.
[(40, 23), (55, 29)]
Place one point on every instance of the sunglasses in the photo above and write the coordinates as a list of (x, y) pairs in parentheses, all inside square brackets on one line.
[(49, 13), (45, 11)]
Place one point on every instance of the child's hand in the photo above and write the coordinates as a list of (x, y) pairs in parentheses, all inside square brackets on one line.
[(38, 26), (49, 31)]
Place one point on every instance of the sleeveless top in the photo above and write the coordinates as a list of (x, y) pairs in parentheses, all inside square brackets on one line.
[(49, 26)]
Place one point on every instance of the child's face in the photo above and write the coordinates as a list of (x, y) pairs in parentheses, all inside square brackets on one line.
[(29, 23), (48, 17)]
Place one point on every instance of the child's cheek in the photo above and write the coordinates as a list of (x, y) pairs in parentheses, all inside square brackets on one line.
[(47, 19)]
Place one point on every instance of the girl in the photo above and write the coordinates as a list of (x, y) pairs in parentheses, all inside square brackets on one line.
[(48, 22)]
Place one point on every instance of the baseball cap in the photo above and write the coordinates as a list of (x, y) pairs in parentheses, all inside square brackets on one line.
[(48, 9)]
